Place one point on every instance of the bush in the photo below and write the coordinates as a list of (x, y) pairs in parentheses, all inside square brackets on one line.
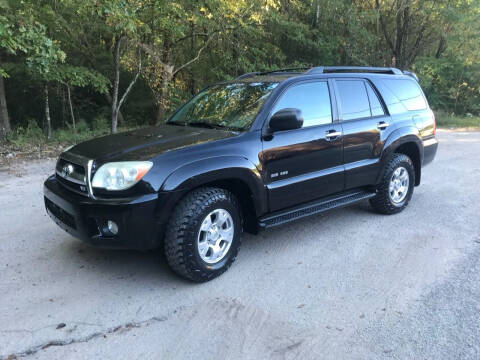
[(82, 126), (31, 135), (100, 123), (450, 85)]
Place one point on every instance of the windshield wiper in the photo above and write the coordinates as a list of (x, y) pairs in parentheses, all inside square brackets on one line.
[(204, 125)]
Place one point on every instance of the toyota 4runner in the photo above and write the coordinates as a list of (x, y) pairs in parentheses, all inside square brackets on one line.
[(259, 151)]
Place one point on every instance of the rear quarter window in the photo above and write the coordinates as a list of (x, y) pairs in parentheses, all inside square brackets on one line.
[(408, 92)]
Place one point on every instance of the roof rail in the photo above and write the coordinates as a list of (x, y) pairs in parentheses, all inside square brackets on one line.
[(411, 74), (332, 69), (256, 73), (327, 69)]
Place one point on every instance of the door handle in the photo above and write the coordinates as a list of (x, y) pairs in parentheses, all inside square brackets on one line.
[(382, 125), (331, 134)]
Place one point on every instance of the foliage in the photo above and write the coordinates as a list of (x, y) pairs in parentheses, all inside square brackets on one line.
[(175, 48), (450, 84), (79, 76), (21, 32), (32, 134)]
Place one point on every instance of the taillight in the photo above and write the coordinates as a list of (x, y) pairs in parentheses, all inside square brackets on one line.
[(434, 122)]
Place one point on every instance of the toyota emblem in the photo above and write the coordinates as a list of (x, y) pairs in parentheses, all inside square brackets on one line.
[(67, 170)]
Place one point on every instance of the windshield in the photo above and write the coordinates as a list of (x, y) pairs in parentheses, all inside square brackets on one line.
[(230, 106)]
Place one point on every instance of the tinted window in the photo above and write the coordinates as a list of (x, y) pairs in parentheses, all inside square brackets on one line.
[(312, 98), (231, 106), (353, 99), (375, 107), (408, 92)]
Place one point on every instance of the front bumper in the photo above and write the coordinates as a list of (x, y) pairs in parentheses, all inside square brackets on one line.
[(139, 221)]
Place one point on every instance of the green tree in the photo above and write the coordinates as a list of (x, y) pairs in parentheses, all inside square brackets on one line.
[(77, 76), (21, 33), (143, 58), (176, 35)]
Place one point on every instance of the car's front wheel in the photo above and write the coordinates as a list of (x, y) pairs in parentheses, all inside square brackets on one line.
[(204, 233), (396, 187)]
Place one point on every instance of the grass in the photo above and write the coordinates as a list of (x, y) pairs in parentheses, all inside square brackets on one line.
[(448, 121), (31, 141)]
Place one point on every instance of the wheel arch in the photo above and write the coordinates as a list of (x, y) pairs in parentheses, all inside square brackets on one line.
[(235, 174), (405, 141), (411, 149)]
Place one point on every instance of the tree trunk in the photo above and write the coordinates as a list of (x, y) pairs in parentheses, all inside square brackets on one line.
[(286, 8), (191, 75), (116, 81), (71, 108), (121, 119), (159, 114), (64, 105), (398, 33), (442, 46), (167, 75), (116, 102), (316, 18), (47, 114), (236, 53), (4, 119)]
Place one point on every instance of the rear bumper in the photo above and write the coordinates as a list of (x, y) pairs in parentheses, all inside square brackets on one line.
[(429, 150), (139, 221)]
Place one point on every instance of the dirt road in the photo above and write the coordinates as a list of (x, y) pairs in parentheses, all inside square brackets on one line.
[(349, 284)]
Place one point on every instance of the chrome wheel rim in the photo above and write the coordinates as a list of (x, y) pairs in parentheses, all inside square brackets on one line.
[(398, 187), (215, 236)]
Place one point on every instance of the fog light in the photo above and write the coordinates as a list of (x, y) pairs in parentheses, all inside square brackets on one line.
[(112, 227)]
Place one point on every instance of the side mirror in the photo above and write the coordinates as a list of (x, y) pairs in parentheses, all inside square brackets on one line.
[(286, 119)]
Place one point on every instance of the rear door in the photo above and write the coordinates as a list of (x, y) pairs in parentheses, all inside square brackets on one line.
[(304, 164), (366, 125)]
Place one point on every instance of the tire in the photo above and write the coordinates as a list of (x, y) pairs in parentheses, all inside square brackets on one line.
[(184, 234), (384, 202)]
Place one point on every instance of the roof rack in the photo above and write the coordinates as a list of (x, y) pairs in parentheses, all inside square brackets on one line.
[(257, 73), (332, 69), (411, 74), (329, 69)]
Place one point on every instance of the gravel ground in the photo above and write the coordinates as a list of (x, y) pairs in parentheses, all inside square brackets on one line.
[(348, 284)]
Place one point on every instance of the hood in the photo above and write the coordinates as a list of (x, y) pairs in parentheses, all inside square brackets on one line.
[(146, 143)]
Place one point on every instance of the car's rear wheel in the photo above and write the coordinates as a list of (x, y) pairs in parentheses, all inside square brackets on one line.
[(204, 233), (396, 187)]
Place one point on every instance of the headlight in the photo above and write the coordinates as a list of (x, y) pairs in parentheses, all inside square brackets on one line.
[(120, 175)]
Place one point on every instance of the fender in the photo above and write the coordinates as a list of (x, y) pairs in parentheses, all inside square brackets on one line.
[(219, 168), (396, 139)]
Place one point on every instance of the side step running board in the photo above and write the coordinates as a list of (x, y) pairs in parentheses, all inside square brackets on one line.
[(311, 208)]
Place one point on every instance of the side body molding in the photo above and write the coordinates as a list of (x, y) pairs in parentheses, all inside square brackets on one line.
[(402, 135), (219, 168)]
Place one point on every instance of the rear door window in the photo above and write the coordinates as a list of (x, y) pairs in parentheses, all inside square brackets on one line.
[(354, 102), (408, 92), (312, 99)]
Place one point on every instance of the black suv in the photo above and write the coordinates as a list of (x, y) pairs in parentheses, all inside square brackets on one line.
[(248, 154)]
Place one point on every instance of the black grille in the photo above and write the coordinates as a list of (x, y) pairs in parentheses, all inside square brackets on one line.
[(60, 214), (80, 189), (74, 181)]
